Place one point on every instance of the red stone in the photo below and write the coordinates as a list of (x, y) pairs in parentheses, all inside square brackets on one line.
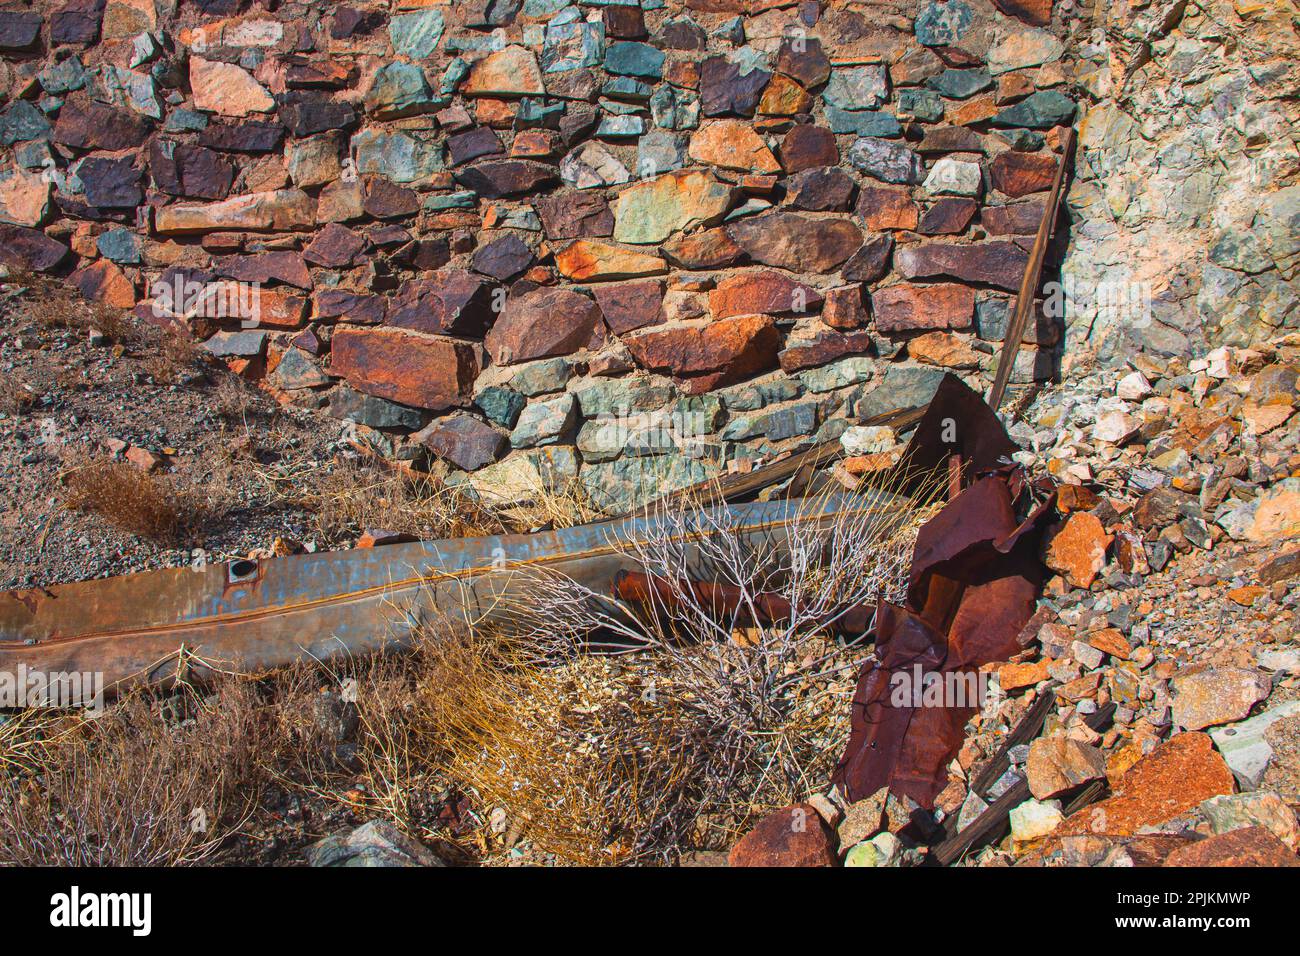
[(901, 308), (179, 169), (543, 323), (706, 249), (497, 179), (384, 199), (628, 306), (996, 263), (1249, 846), (1019, 174), (707, 356), (797, 243), (30, 249), (886, 207), (807, 147), (1037, 12), (1175, 777), (805, 62), (418, 370), (1077, 549), (845, 308), (871, 262), (85, 124), (449, 302), (335, 246), (826, 346), (948, 217), (578, 215), (102, 281), (821, 189), (792, 836), (1013, 219), (282, 266), (765, 291)]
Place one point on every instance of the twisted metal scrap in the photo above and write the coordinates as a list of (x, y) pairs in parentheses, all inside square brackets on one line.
[(974, 582)]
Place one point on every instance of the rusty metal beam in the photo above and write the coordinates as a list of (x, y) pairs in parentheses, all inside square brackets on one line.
[(248, 616)]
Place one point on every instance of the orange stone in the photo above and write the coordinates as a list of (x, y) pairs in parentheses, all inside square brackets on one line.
[(1175, 777), (1249, 846), (882, 207), (1248, 595), (784, 97), (1018, 676), (1077, 550)]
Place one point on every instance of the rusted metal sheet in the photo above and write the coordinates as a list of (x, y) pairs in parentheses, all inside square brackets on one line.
[(248, 616), (974, 583)]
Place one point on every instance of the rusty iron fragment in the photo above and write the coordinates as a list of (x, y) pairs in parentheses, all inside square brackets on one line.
[(724, 602), (974, 583), (248, 616)]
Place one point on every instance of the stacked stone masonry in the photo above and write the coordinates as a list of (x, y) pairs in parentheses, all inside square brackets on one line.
[(619, 242)]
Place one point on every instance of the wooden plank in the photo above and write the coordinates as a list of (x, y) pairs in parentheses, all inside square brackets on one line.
[(993, 823), (736, 488), (1029, 283)]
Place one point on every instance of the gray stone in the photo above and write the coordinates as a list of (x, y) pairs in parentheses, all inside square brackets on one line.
[(617, 486), (886, 161), (841, 374), (857, 87), (942, 23), (501, 405), (960, 84), (375, 844), (863, 122), (776, 424), (756, 395), (541, 377), (544, 423), (373, 412), (416, 35), (902, 387), (1243, 745), (236, 344), (622, 397), (672, 108), (401, 156), (1041, 110)]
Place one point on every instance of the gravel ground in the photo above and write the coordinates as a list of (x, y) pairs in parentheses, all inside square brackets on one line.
[(213, 433)]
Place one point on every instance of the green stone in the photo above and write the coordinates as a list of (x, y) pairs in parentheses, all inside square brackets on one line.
[(416, 35)]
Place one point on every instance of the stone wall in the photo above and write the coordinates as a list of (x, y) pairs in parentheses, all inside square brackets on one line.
[(1186, 205), (627, 243)]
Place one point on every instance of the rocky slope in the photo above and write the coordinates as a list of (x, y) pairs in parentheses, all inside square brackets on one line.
[(1175, 597)]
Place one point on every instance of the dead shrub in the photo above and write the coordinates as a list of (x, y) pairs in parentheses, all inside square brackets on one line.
[(133, 788), (117, 326), (713, 716), (351, 497), (171, 357), (16, 397), (146, 505)]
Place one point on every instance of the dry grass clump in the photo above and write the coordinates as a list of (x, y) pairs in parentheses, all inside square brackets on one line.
[(171, 358), (16, 396), (146, 505), (703, 718), (351, 497), (134, 788)]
